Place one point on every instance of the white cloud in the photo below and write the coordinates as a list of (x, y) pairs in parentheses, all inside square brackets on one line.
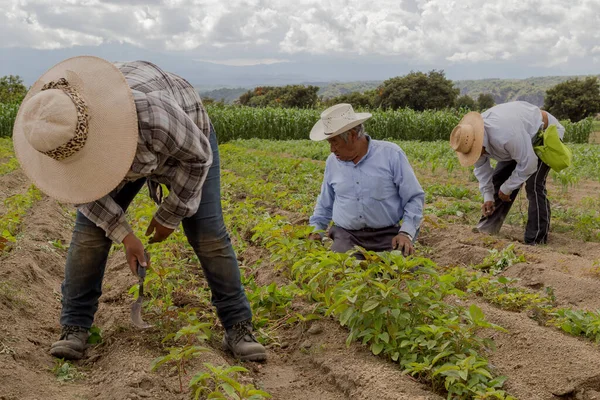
[(425, 32), (246, 61)]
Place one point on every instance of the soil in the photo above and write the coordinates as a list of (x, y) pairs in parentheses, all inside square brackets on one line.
[(313, 362), (313, 365)]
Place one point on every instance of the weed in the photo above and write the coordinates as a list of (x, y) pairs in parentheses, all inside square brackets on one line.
[(65, 371)]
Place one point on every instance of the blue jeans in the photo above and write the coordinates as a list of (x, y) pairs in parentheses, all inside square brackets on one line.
[(205, 232)]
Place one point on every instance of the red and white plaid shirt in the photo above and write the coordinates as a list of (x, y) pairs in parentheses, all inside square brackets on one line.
[(173, 149)]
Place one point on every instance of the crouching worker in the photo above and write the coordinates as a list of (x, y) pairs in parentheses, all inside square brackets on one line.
[(368, 188), (506, 133), (93, 133)]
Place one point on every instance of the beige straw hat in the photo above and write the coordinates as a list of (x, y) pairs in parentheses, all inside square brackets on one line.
[(76, 132), (466, 138), (335, 120)]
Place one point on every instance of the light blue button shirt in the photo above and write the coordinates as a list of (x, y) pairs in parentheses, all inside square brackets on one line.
[(509, 130), (377, 192)]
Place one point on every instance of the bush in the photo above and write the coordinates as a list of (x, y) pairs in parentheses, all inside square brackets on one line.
[(574, 99)]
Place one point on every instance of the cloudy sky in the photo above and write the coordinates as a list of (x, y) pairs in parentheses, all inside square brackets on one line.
[(309, 39)]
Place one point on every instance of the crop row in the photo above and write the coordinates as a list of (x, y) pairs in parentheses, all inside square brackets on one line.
[(238, 122)]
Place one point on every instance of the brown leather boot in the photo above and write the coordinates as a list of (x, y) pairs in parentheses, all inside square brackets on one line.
[(71, 344)]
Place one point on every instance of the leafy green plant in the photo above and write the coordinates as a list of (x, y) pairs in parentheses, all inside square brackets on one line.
[(578, 323), (16, 207), (498, 261), (65, 371), (177, 358), (221, 383), (395, 311), (95, 335)]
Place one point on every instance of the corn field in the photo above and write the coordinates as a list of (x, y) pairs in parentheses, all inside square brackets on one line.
[(8, 113), (235, 122)]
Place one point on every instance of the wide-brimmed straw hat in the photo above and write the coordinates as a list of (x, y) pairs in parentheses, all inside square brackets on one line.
[(466, 138), (335, 120), (76, 132)]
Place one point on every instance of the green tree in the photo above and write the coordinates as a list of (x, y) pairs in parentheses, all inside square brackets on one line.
[(12, 89), (574, 99), (467, 102), (418, 91), (296, 96), (356, 99), (485, 101)]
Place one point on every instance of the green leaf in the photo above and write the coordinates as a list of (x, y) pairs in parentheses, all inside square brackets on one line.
[(370, 305), (345, 316), (476, 313), (503, 280), (228, 389), (377, 348), (384, 336), (95, 335), (497, 382)]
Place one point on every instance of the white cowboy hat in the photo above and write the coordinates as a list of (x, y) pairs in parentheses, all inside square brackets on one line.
[(466, 138), (335, 120), (76, 132)]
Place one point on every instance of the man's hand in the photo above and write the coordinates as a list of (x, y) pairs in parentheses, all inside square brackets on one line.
[(315, 236), (160, 232), (134, 251), (504, 197), (403, 242), (488, 208)]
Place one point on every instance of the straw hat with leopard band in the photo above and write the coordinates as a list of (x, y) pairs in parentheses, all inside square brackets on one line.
[(76, 131)]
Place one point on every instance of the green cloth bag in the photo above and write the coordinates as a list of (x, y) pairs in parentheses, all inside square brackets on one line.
[(551, 150)]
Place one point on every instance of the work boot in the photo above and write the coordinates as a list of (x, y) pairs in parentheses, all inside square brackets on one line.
[(241, 342), (71, 344)]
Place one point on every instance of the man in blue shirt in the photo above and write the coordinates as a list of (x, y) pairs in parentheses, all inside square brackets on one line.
[(505, 133), (368, 188)]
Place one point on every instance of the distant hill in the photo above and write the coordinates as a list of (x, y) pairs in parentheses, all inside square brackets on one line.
[(532, 90), (227, 95)]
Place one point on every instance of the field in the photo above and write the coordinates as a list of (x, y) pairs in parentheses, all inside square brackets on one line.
[(487, 317), (234, 122)]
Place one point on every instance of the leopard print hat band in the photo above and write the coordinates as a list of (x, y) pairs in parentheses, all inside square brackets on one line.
[(81, 130)]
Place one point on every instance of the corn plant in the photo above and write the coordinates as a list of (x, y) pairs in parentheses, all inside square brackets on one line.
[(8, 114)]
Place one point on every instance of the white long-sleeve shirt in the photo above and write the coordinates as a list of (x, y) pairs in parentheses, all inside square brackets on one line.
[(509, 129)]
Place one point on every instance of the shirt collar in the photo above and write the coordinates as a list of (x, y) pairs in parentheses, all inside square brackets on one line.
[(369, 146)]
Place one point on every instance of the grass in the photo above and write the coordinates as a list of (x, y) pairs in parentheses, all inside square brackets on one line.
[(10, 296)]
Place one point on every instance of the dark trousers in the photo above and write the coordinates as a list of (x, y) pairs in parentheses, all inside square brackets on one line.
[(370, 239), (205, 232), (538, 216)]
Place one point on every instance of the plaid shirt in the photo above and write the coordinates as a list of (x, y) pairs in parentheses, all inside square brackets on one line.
[(173, 149)]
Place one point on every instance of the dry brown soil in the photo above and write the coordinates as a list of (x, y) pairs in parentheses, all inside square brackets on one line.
[(541, 362)]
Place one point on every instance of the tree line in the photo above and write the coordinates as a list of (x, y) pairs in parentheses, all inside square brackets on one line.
[(574, 99)]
